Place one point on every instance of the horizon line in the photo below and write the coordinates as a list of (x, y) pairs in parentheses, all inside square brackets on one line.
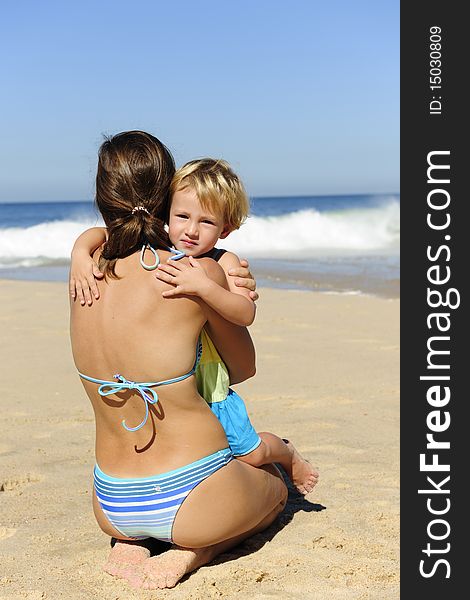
[(254, 197)]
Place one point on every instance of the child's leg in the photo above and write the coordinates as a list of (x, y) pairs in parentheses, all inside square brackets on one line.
[(274, 450)]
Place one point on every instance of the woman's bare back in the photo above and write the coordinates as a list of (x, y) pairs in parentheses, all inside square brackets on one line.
[(136, 332)]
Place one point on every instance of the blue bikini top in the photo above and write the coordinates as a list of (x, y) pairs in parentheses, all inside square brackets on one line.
[(121, 384)]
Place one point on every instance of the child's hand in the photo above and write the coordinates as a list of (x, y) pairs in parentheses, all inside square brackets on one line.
[(82, 281), (246, 278), (189, 280)]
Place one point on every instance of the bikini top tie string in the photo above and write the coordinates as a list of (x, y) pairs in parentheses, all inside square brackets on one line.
[(122, 384), (177, 255), (149, 395)]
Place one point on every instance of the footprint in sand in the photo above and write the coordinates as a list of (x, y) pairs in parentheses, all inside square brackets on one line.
[(16, 483), (6, 532)]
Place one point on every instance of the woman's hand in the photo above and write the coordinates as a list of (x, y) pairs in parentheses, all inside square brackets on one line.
[(82, 280), (245, 278), (190, 280)]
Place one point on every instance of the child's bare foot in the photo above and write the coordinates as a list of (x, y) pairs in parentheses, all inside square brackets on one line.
[(302, 474), (124, 558), (165, 570)]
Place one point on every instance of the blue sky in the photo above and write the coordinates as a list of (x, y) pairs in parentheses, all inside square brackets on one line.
[(301, 98)]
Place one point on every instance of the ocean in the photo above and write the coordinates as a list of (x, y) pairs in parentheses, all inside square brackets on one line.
[(330, 244)]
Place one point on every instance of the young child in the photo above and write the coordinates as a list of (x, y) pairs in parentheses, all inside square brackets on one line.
[(208, 203)]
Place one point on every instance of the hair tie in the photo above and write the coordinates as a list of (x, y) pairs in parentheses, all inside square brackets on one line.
[(137, 208)]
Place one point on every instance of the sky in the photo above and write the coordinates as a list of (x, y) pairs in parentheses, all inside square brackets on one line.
[(302, 98)]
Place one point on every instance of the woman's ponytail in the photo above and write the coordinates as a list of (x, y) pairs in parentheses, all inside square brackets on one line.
[(132, 193)]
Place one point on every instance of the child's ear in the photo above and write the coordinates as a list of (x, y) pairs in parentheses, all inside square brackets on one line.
[(225, 231)]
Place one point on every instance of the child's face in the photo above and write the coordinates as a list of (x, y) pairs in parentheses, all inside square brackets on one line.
[(192, 228)]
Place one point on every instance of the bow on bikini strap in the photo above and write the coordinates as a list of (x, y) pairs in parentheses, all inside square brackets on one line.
[(148, 394)]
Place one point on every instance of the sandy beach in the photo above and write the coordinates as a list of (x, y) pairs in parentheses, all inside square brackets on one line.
[(328, 378)]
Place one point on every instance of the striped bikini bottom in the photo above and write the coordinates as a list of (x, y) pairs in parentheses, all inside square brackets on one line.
[(146, 506)]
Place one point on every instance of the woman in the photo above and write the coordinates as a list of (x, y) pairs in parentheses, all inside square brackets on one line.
[(163, 469)]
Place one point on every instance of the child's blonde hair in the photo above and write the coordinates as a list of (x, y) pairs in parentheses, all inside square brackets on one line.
[(217, 188)]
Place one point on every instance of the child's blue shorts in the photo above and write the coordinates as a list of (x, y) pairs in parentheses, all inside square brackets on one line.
[(241, 434)]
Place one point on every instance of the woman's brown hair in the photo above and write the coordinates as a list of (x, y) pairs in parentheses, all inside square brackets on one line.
[(133, 194)]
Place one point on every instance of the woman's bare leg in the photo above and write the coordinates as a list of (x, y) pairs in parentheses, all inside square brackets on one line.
[(165, 570), (229, 506), (231, 501), (174, 564)]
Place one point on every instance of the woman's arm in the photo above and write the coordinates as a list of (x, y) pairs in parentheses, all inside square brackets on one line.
[(235, 346), (233, 342), (243, 278)]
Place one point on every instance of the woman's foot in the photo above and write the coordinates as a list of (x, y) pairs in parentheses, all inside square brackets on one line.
[(125, 557), (165, 570), (302, 474)]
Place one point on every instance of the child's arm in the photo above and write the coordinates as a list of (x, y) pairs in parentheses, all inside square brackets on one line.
[(190, 280), (83, 269)]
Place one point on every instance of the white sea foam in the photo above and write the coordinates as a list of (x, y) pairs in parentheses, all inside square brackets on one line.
[(310, 232), (302, 233), (43, 244)]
